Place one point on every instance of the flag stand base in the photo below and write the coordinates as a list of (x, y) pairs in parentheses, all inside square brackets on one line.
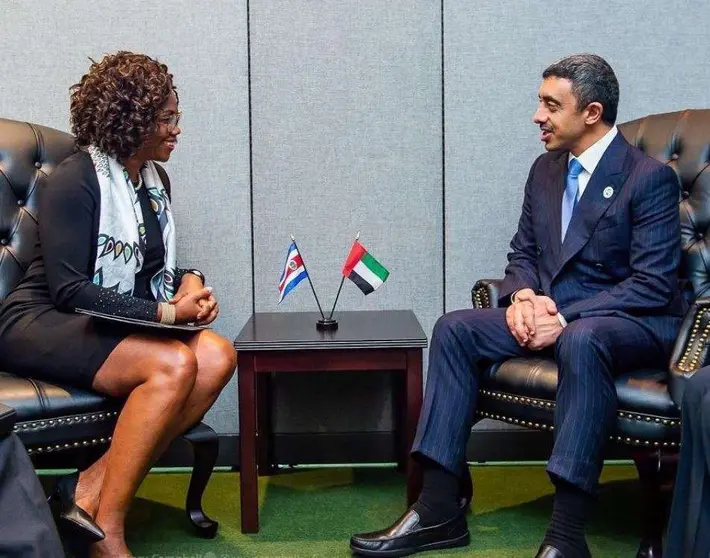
[(326, 324)]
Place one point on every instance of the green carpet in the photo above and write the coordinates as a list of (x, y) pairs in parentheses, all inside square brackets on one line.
[(312, 512)]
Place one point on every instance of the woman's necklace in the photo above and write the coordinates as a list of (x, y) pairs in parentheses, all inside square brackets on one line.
[(136, 187)]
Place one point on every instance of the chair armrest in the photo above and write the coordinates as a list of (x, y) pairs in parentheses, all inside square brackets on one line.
[(690, 352), (7, 419), (485, 293)]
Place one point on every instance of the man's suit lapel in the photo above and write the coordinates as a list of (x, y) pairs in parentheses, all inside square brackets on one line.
[(558, 175), (608, 177)]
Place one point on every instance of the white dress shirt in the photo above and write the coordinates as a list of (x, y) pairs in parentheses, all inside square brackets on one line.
[(591, 157)]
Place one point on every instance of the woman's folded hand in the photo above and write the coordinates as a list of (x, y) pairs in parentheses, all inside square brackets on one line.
[(191, 306)]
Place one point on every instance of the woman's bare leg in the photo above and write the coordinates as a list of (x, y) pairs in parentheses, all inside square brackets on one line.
[(157, 375), (216, 361)]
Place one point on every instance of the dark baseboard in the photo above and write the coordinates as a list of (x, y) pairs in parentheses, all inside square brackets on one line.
[(378, 447)]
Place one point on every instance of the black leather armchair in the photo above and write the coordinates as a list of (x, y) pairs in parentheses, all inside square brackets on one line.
[(67, 424), (522, 391)]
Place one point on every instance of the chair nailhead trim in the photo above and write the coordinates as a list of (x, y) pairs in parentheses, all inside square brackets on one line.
[(481, 298), (519, 399), (691, 356), (72, 445), (53, 423), (538, 426), (548, 405)]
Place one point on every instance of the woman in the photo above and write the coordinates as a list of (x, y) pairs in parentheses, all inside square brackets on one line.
[(107, 243), (689, 527)]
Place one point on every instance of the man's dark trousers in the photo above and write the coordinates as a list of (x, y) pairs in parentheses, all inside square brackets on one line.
[(589, 353), (689, 526), (26, 525)]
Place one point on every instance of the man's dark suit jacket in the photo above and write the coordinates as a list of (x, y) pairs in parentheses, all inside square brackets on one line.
[(622, 250)]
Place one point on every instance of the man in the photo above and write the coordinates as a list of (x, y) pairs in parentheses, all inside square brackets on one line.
[(591, 279), (689, 524), (26, 525)]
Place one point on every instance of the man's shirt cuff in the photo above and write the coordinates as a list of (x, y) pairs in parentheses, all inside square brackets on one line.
[(563, 322)]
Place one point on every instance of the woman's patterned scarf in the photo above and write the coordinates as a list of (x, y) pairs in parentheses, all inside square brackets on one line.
[(122, 238)]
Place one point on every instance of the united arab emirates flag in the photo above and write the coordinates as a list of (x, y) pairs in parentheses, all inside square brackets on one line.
[(364, 270)]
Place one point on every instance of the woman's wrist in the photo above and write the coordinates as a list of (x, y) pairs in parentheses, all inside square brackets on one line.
[(196, 273), (168, 313), (190, 282)]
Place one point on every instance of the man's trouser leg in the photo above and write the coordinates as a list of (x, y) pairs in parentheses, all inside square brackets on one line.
[(590, 352), (461, 344), (26, 525), (689, 525)]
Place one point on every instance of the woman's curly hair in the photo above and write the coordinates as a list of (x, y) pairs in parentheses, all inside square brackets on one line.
[(116, 103)]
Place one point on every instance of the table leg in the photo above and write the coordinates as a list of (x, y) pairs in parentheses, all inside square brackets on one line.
[(414, 389), (266, 462), (399, 418), (247, 443)]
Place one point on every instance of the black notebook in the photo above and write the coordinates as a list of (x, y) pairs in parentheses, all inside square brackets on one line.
[(140, 323)]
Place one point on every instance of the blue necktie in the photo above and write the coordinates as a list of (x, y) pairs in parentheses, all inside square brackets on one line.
[(569, 199)]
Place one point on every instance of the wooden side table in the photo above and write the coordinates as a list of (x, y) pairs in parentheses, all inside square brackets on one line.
[(380, 340)]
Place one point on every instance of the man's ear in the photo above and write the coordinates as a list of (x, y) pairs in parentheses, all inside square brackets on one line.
[(594, 113)]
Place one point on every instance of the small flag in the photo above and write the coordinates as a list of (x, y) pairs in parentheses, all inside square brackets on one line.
[(294, 272), (364, 270)]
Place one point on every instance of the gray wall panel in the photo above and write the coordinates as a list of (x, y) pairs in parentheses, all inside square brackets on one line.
[(46, 50), (346, 137)]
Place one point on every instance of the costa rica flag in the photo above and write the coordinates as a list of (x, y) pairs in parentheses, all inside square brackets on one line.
[(294, 272)]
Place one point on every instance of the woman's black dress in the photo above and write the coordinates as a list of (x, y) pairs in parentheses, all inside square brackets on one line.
[(40, 335)]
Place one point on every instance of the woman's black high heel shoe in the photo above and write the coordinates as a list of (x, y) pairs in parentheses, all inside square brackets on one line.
[(73, 517)]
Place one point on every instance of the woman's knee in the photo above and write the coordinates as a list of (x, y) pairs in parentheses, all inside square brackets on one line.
[(219, 357), (226, 356), (140, 360), (174, 367)]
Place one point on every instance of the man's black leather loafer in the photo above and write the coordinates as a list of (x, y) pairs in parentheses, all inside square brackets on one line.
[(547, 551), (406, 536)]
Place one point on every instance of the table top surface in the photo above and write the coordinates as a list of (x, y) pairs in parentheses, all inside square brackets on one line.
[(371, 329)]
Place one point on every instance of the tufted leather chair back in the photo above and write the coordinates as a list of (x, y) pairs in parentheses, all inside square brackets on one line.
[(28, 155), (682, 140)]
